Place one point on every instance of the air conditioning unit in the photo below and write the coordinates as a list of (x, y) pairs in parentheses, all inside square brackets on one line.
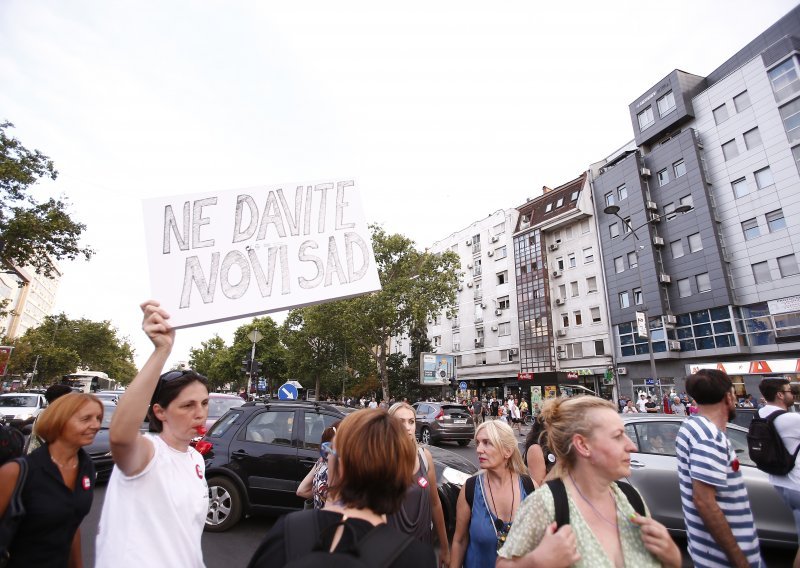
[(669, 319), (553, 247), (495, 238), (469, 265), (559, 301), (665, 278), (674, 345), (651, 205), (556, 274), (658, 241), (561, 355), (645, 172), (483, 306), (490, 253), (514, 351), (469, 242), (430, 320), (498, 312), (653, 217), (494, 328), (460, 287), (622, 370), (562, 332)]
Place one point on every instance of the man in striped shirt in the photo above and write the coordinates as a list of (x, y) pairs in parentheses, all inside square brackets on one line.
[(719, 521)]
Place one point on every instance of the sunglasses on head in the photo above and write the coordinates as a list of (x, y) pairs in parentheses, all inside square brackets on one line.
[(167, 377)]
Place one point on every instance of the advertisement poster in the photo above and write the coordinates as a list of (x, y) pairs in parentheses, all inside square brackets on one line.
[(550, 391), (536, 394), (437, 369)]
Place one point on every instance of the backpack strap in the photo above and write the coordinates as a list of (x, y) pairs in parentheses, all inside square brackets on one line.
[(560, 500), (633, 497), (423, 463), (382, 546), (527, 484), (469, 490), (298, 539)]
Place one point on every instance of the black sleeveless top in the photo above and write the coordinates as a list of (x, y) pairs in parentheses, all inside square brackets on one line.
[(415, 514), (53, 512)]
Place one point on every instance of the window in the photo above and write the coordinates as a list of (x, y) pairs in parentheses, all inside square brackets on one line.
[(633, 261), (504, 328), (730, 150), (684, 288), (646, 119), (574, 196), (790, 114), (666, 104), (796, 156), (787, 265), (476, 269), (703, 282), (626, 225), (578, 318), (271, 428), (619, 265), (624, 300), (480, 358), (571, 259), (560, 263), (599, 347), (562, 291), (610, 198), (750, 229), (549, 207), (740, 188), (776, 221), (585, 226), (663, 177), (687, 200), (613, 230), (591, 284), (574, 350), (752, 139), (502, 278), (437, 340), (695, 242), (560, 202), (741, 101), (564, 320), (764, 178), (500, 228), (476, 244), (720, 114), (315, 422), (500, 253), (588, 255), (676, 247), (637, 296), (761, 272), (679, 168), (784, 79), (503, 303), (622, 192), (456, 341), (573, 289), (506, 356), (595, 312), (669, 211)]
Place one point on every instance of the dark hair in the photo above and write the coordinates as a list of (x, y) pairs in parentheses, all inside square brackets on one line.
[(770, 388), (708, 386), (55, 391), (329, 432), (168, 389), (535, 435)]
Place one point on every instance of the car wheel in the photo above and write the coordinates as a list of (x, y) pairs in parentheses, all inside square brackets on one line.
[(224, 506), (462, 443), (425, 436)]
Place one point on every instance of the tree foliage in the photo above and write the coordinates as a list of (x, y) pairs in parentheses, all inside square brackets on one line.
[(33, 232), (64, 345)]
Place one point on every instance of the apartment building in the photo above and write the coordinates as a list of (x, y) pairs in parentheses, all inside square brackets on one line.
[(563, 327), (719, 285), (30, 298)]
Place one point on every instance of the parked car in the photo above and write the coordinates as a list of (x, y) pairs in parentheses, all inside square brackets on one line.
[(107, 396), (256, 455), (21, 409), (654, 472), (442, 421), (219, 404), (100, 449)]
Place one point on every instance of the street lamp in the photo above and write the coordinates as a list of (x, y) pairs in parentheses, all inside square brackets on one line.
[(614, 210)]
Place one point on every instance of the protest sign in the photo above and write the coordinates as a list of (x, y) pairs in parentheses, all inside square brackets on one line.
[(230, 254)]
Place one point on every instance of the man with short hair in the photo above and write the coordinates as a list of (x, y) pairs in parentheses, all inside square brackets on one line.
[(719, 522), (650, 406), (476, 409), (780, 396), (678, 407), (641, 402)]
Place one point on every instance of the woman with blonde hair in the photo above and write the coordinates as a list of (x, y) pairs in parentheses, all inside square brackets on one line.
[(592, 453), (58, 490), (421, 504), (488, 502)]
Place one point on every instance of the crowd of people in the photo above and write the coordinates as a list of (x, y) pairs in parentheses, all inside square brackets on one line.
[(373, 492)]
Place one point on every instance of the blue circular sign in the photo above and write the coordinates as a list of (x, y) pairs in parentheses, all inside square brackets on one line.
[(462, 385), (287, 392)]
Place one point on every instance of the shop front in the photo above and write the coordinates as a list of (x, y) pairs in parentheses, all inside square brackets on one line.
[(746, 375)]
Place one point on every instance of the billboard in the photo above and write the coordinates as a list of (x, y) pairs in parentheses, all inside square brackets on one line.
[(436, 369)]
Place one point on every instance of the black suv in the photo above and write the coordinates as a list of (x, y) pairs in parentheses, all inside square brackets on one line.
[(257, 454)]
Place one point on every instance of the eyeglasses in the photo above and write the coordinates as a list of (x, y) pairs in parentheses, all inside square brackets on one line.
[(326, 449)]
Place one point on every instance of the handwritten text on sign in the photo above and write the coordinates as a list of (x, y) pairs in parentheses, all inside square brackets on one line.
[(232, 254)]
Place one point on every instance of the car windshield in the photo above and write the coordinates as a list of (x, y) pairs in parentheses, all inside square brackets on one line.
[(18, 400), (219, 406)]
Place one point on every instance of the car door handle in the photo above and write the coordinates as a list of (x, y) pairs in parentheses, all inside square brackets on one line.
[(637, 464), (239, 454)]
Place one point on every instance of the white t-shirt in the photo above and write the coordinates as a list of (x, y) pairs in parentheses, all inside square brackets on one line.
[(788, 427), (155, 518), (641, 404)]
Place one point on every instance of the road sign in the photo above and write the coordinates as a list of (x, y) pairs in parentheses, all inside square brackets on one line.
[(287, 392), (462, 385)]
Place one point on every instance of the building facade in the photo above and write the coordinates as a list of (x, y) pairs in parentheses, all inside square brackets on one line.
[(30, 298), (719, 285)]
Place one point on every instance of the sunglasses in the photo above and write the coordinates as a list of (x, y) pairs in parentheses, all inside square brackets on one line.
[(326, 449), (167, 377)]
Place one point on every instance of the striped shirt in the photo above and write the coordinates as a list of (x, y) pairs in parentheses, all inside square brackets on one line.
[(704, 454)]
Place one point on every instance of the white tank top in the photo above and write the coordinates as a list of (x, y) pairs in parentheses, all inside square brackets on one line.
[(155, 518)]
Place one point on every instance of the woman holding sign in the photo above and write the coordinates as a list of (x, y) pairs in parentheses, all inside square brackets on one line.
[(157, 498)]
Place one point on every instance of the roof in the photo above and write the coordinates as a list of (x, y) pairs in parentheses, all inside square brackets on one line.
[(552, 203)]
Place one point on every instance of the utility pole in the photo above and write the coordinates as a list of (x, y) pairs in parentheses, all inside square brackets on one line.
[(254, 336)]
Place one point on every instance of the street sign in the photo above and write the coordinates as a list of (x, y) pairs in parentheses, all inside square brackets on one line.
[(262, 384), (255, 336), (287, 392), (462, 385), (641, 324)]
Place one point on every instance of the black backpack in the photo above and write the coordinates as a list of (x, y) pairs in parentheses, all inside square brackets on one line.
[(766, 446), (378, 548), (12, 443), (562, 504)]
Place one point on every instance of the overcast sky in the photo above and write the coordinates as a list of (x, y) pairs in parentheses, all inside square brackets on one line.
[(442, 111)]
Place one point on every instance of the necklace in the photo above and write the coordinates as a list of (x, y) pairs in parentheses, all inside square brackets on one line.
[(598, 513), (513, 497), (73, 466)]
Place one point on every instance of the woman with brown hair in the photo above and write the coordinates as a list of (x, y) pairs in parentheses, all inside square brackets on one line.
[(592, 452), (374, 460), (315, 484), (58, 490)]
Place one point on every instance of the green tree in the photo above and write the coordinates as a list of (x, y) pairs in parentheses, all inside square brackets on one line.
[(33, 232), (212, 361)]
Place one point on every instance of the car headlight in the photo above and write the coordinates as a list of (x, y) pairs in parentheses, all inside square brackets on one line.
[(454, 476)]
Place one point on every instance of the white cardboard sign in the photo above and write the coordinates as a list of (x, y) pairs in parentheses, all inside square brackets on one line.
[(231, 254)]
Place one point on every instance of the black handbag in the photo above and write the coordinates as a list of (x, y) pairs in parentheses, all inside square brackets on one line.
[(13, 515)]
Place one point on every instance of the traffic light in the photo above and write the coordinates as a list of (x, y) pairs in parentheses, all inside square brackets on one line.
[(257, 365), (245, 365)]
